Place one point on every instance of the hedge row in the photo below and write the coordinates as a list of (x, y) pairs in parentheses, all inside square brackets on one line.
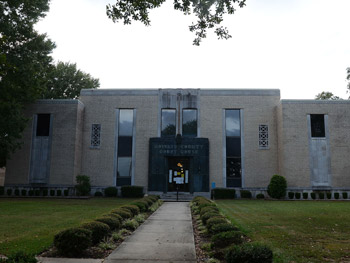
[(33, 192), (73, 241), (226, 239), (317, 195)]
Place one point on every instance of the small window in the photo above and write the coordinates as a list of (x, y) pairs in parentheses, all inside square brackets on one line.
[(95, 135), (317, 125), (263, 136), (189, 122), (43, 125), (168, 122)]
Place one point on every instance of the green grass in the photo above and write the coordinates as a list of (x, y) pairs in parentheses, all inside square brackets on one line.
[(305, 231), (30, 224)]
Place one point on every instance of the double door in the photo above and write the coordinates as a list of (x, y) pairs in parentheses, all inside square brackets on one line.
[(178, 174)]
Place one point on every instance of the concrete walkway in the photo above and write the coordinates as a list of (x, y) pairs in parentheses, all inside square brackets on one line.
[(166, 236)]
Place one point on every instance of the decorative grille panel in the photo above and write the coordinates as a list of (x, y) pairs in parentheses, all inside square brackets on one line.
[(263, 136), (95, 135)]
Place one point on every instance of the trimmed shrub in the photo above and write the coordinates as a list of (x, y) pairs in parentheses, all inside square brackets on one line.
[(329, 195), (200, 199), (134, 209), (149, 201), (111, 192), (98, 230), (249, 252), (9, 192), (313, 195), (260, 196), (225, 239), (2, 190), (291, 195), (59, 192), (131, 224), (16, 192), (321, 195), (140, 218), (277, 187), (345, 195), (73, 241), (125, 214), (209, 215), (31, 192), (132, 191), (52, 192), (223, 193), (23, 192), (116, 216), (45, 192), (83, 186), (142, 205), (153, 198), (37, 192), (98, 194), (208, 209), (214, 221), (66, 192), (336, 195), (223, 227), (297, 195), (305, 195), (112, 222), (20, 257), (246, 194)]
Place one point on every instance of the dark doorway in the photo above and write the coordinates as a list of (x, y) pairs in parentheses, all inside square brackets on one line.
[(178, 174)]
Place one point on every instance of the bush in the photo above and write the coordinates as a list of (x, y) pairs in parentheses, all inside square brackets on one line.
[(329, 195), (336, 195), (224, 239), (23, 192), (214, 221), (116, 216), (223, 193), (153, 198), (73, 241), (313, 195), (200, 199), (59, 192), (291, 195), (260, 196), (208, 209), (9, 192), (130, 224), (2, 190), (16, 192), (305, 195), (143, 205), (83, 186), (223, 227), (98, 230), (125, 214), (112, 222), (98, 194), (111, 192), (132, 191), (297, 195), (140, 218), (37, 192), (246, 194), (52, 192), (321, 195), (277, 187), (209, 215), (249, 252), (66, 192), (149, 201), (134, 209), (345, 195), (20, 257), (201, 206), (45, 192), (31, 192)]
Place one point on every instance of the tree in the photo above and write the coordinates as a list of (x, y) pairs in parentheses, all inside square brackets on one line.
[(24, 61), (326, 95), (209, 13), (65, 81)]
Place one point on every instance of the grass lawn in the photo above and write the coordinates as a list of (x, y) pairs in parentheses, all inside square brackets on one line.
[(30, 224), (301, 231)]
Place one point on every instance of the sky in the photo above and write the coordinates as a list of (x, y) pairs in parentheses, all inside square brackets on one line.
[(301, 47)]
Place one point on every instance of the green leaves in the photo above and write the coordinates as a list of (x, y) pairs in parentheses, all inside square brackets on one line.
[(209, 13)]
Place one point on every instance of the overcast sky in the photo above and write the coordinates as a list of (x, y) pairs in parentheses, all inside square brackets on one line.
[(301, 47)]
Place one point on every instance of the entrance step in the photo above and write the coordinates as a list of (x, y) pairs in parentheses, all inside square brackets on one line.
[(173, 197)]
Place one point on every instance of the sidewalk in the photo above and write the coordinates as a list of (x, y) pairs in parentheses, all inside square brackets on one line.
[(166, 236)]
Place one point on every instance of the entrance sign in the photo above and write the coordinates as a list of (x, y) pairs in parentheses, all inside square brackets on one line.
[(179, 180)]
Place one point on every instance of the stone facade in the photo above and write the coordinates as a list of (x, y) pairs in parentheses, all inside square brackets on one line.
[(290, 151)]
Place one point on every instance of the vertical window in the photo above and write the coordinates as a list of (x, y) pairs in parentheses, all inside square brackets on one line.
[(317, 125), (189, 122), (263, 136), (95, 135), (168, 122), (43, 125), (233, 148), (125, 136)]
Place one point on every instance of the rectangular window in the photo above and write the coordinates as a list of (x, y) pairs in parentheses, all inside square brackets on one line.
[(125, 138), (95, 135), (168, 122), (263, 136), (43, 125), (189, 122), (317, 125), (233, 148)]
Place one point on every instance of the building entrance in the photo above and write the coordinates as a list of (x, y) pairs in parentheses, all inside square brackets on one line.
[(178, 174)]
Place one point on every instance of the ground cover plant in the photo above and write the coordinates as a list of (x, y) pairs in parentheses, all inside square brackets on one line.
[(30, 224), (305, 231)]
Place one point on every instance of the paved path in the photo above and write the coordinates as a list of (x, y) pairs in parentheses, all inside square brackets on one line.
[(166, 237)]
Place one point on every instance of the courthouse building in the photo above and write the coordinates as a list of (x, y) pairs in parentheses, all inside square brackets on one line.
[(186, 139)]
